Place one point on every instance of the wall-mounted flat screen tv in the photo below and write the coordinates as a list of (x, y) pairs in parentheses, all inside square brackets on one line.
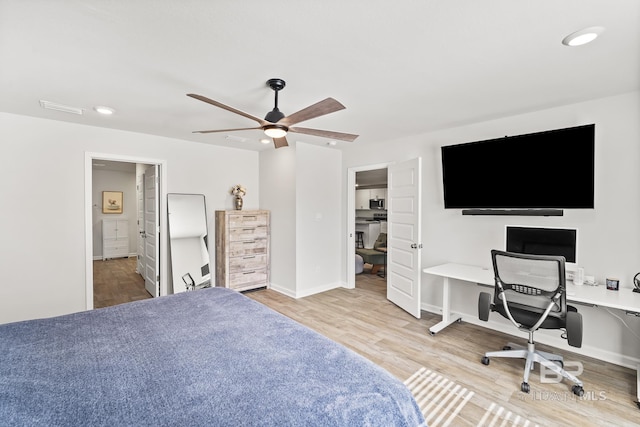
[(551, 169)]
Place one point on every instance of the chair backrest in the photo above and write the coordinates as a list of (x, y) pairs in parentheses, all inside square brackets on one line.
[(534, 283), (381, 241)]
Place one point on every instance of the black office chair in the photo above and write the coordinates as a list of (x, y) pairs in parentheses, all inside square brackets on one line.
[(530, 290)]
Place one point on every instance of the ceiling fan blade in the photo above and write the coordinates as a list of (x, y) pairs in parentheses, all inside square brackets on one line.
[(318, 109), (280, 142), (341, 136), (224, 130), (226, 107)]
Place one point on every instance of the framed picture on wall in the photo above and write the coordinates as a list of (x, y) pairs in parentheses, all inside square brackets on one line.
[(112, 202)]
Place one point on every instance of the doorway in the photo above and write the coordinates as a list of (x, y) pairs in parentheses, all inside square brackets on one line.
[(353, 207), (371, 225), (403, 260), (123, 267)]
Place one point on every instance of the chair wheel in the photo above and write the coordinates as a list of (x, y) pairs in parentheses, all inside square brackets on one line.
[(525, 387), (506, 348), (577, 390), (485, 360)]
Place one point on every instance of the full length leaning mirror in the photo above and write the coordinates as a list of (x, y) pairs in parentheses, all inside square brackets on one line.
[(188, 244)]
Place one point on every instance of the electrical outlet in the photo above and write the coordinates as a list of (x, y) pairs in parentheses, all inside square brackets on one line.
[(570, 275)]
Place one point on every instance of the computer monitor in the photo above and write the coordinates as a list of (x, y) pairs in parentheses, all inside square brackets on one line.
[(544, 241)]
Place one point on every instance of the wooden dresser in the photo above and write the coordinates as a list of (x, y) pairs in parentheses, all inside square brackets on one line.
[(242, 249)]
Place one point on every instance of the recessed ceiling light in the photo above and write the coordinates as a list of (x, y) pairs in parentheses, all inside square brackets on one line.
[(583, 36), (104, 110), (265, 141), (331, 143)]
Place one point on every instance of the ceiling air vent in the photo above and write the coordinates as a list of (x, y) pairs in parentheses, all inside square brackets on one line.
[(59, 107)]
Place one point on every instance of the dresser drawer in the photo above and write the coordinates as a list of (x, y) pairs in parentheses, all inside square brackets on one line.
[(115, 243), (248, 233), (247, 247), (245, 278), (115, 248), (247, 262), (240, 220)]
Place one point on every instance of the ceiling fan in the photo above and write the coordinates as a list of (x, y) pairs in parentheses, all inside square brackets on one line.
[(276, 125)]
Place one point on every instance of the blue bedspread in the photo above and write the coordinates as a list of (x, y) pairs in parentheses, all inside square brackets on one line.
[(210, 357)]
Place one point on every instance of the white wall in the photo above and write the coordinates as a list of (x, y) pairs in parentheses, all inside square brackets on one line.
[(42, 174), (318, 219), (301, 186), (278, 195), (609, 243)]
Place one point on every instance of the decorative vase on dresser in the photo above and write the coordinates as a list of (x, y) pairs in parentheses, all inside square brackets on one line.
[(242, 249), (238, 203), (115, 238)]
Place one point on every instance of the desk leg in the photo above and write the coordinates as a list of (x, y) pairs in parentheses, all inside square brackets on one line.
[(638, 386), (447, 317)]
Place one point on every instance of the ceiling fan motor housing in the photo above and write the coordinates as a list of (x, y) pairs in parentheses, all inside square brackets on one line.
[(274, 115)]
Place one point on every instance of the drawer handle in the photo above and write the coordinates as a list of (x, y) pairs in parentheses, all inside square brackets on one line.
[(249, 272), (248, 257), (249, 241)]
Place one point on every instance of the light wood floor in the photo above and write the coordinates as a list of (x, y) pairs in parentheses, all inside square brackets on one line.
[(365, 321), (115, 281)]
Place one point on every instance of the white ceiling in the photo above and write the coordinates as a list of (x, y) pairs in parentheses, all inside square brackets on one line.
[(401, 68)]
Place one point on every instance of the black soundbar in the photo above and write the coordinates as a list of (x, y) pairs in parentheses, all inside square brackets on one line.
[(515, 212)]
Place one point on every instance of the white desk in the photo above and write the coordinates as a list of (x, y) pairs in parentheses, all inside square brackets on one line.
[(597, 296)]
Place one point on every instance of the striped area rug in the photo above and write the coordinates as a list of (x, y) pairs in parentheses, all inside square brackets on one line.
[(442, 401)]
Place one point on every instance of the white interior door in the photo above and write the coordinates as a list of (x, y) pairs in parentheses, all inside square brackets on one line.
[(151, 231), (140, 223), (403, 237)]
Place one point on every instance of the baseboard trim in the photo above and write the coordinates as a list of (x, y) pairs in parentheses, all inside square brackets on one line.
[(284, 291), (305, 293)]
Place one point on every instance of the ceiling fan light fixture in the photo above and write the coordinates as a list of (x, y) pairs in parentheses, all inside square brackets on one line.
[(582, 37), (275, 131)]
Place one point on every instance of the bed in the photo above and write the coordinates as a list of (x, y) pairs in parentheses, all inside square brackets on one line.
[(208, 357)]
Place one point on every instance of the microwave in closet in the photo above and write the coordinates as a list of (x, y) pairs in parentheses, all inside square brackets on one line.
[(376, 203)]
